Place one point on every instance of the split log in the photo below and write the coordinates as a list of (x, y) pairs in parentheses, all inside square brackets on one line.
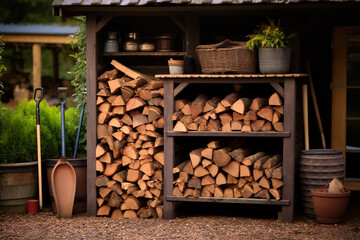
[(233, 168), (211, 104), (221, 157), (266, 113), (197, 106), (276, 193), (258, 103), (275, 99), (241, 105), (230, 99)]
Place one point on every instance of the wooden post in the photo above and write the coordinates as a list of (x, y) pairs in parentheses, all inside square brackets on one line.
[(91, 75), (169, 150), (36, 65), (306, 116), (289, 149), (55, 56), (192, 39)]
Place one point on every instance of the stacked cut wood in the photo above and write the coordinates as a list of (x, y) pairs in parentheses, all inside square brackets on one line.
[(219, 170), (232, 113), (129, 153)]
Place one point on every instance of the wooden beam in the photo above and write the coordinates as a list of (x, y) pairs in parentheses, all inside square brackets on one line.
[(179, 22), (103, 22), (91, 84), (49, 39), (179, 88), (36, 52)]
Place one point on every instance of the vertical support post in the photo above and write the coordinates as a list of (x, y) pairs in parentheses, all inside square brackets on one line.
[(169, 148), (192, 39), (36, 51), (289, 149), (91, 84), (55, 56)]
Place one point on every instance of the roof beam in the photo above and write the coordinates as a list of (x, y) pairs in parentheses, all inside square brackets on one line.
[(48, 39)]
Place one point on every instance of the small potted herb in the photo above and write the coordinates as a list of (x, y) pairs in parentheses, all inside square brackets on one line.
[(273, 47)]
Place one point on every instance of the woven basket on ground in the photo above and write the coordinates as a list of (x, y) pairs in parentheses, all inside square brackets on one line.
[(225, 57)]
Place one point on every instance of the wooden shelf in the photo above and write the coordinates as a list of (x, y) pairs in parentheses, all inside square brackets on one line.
[(228, 200), (284, 84), (153, 54), (227, 134)]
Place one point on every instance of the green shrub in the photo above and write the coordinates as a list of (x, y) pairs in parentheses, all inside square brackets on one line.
[(18, 132)]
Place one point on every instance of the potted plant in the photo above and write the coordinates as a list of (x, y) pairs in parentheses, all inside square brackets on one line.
[(273, 47), (18, 165), (330, 203)]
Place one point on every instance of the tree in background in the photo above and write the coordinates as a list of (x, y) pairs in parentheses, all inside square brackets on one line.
[(29, 11)]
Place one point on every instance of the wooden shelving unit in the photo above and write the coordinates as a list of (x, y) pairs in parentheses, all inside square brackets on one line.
[(140, 54), (284, 84)]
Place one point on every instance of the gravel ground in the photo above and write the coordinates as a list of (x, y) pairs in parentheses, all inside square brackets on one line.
[(191, 224)]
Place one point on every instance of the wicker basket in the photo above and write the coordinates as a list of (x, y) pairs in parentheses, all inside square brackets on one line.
[(225, 57)]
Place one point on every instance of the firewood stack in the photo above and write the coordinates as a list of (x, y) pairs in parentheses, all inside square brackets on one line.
[(220, 170), (233, 113), (129, 153)]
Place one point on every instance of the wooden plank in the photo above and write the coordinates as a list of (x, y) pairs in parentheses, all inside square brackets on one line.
[(169, 149), (91, 84), (284, 134), (237, 76), (289, 149), (278, 88), (36, 52), (339, 80), (153, 54), (105, 20), (228, 200), (28, 38), (179, 88)]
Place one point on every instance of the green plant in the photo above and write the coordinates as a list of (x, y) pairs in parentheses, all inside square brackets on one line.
[(79, 71), (2, 68), (18, 132), (269, 35)]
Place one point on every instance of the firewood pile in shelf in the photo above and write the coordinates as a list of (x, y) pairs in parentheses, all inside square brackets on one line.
[(129, 153), (226, 171), (232, 113)]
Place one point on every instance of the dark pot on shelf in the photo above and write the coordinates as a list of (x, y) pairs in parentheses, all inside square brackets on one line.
[(165, 43), (329, 207), (79, 165)]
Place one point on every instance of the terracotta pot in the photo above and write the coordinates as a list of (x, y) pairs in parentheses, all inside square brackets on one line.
[(329, 207)]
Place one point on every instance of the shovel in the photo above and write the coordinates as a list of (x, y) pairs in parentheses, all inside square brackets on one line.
[(63, 176), (38, 141)]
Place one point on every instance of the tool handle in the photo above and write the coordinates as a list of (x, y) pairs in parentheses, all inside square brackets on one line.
[(62, 98), (38, 103), (79, 129), (62, 94)]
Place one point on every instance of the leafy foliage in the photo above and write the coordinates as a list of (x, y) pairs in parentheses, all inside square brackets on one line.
[(29, 11), (18, 132), (2, 68), (79, 70), (269, 35)]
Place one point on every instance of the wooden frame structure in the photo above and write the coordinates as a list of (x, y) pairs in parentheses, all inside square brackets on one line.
[(289, 94), (188, 19)]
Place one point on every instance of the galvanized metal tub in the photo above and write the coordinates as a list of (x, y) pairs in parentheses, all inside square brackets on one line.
[(317, 168)]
